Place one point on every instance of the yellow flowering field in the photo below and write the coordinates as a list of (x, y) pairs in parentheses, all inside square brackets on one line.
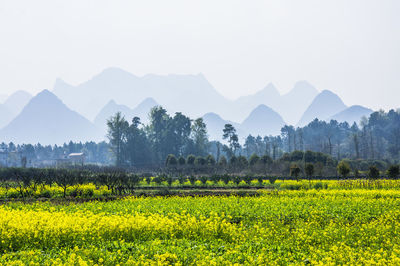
[(317, 227)]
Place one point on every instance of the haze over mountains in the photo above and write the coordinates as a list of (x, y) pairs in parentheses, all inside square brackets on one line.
[(3, 97), (12, 106), (324, 106), (215, 124), (46, 120), (80, 112), (190, 93), (299, 97), (142, 111), (352, 114)]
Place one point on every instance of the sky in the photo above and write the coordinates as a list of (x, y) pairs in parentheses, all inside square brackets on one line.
[(351, 47)]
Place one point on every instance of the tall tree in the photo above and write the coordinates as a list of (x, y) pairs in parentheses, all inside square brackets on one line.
[(199, 136), (157, 131), (137, 145), (117, 128), (179, 130), (232, 138)]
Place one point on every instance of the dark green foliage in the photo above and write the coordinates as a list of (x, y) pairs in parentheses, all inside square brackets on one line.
[(229, 134), (236, 179), (210, 160), (247, 179), (272, 179), (222, 162), (225, 179), (203, 179), (200, 161), (356, 173), (295, 171), (215, 178), (373, 172), (171, 161), (169, 180), (190, 160), (117, 129), (181, 161), (266, 160), (254, 159), (148, 180), (393, 171), (192, 179), (158, 180), (182, 179), (242, 162), (309, 169), (343, 168)]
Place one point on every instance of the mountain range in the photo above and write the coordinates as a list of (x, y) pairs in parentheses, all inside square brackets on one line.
[(142, 111), (290, 105), (12, 106), (46, 120), (353, 114), (190, 93), (261, 121), (325, 105), (80, 112)]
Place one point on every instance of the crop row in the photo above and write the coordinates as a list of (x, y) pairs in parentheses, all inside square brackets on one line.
[(318, 227), (26, 181)]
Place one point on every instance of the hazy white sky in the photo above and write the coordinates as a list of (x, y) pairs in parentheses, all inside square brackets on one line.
[(351, 47)]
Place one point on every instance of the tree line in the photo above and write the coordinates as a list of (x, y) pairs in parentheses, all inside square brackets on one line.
[(38, 155), (375, 140), (148, 148), (119, 181)]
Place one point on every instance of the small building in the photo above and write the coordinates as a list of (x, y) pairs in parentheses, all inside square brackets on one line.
[(77, 158)]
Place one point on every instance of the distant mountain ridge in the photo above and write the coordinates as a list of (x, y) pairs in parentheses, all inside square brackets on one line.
[(46, 120), (261, 121), (300, 96), (325, 105), (262, 113), (12, 106), (141, 111), (17, 101), (5, 115), (352, 114), (191, 94)]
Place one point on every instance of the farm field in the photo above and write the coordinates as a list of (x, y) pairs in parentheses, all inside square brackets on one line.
[(326, 226)]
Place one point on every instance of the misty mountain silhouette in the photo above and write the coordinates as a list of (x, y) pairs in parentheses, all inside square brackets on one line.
[(47, 120), (263, 113), (190, 94), (324, 106), (263, 121), (215, 125), (5, 115), (17, 101), (12, 105), (299, 97), (141, 111), (269, 95), (352, 114), (296, 101)]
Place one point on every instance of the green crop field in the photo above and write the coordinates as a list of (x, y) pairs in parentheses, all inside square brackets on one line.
[(327, 226)]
